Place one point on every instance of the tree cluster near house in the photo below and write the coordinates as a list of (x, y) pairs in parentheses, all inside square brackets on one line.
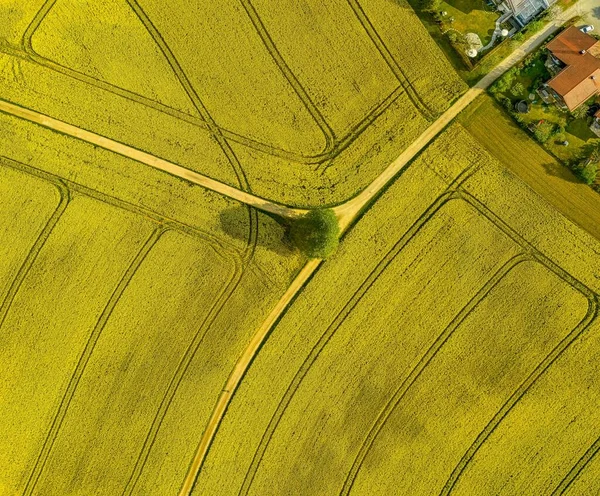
[(551, 95)]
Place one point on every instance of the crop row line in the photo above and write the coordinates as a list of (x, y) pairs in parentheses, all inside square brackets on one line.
[(429, 355), (528, 252), (33, 253), (226, 292), (204, 120), (339, 319), (74, 187), (578, 468), (165, 225), (84, 358)]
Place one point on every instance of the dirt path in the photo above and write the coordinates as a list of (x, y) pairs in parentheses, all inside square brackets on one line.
[(148, 159), (240, 369), (347, 214)]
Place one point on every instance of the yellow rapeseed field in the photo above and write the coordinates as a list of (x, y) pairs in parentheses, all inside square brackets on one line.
[(450, 346), (446, 312), (291, 101), (113, 273)]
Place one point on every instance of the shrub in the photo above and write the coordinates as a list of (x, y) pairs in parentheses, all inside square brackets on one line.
[(588, 172), (517, 89), (581, 111), (316, 234), (544, 131)]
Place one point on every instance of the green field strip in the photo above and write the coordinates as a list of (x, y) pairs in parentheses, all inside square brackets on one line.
[(432, 81), (233, 73), (487, 357), (329, 52), (394, 309), (50, 318), (72, 35), (30, 210), (489, 190), (142, 343), (514, 149), (547, 433)]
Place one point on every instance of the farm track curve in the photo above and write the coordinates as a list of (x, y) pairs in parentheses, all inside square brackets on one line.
[(347, 212), (240, 369)]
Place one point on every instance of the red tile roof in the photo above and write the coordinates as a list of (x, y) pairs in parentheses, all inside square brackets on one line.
[(580, 80)]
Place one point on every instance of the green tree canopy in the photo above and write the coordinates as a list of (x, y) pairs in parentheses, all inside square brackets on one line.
[(317, 233), (588, 173)]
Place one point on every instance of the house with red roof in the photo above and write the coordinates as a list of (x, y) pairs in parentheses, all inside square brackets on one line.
[(578, 54)]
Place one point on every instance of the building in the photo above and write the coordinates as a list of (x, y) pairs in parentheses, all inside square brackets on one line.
[(578, 54), (524, 10)]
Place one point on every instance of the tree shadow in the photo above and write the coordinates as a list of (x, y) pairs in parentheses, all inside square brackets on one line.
[(273, 231), (562, 172)]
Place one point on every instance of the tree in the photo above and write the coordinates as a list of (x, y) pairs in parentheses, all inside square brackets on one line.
[(317, 233), (581, 112), (544, 131), (588, 172)]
